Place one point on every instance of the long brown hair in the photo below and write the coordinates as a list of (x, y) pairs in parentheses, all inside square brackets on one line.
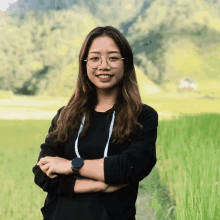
[(128, 105)]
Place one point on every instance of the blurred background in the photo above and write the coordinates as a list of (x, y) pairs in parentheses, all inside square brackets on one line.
[(176, 48)]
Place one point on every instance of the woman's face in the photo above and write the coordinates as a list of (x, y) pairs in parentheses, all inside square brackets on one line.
[(105, 47)]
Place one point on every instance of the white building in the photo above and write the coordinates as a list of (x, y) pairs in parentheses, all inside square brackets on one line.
[(187, 84)]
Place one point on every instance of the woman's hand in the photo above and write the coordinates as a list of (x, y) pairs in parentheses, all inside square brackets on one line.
[(52, 166), (112, 188)]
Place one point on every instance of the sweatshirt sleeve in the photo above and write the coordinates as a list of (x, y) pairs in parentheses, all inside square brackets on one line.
[(137, 161), (62, 184)]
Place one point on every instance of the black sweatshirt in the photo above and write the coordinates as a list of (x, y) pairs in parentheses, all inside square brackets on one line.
[(132, 161)]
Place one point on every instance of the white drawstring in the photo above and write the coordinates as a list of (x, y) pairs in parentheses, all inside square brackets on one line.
[(110, 133)]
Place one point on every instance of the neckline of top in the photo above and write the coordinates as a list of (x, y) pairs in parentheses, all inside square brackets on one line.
[(102, 113)]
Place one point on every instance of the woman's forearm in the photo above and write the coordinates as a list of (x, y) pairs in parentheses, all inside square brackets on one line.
[(84, 185)]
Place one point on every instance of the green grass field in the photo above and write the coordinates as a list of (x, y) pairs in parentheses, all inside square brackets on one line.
[(184, 185), (188, 163)]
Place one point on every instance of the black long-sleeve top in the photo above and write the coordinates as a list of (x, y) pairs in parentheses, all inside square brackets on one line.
[(132, 161)]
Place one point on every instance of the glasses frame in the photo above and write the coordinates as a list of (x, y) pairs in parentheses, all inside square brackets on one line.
[(122, 58)]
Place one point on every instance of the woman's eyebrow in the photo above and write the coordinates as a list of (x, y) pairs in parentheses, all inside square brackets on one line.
[(107, 52)]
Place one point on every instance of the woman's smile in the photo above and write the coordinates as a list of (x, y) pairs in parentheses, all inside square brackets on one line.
[(104, 78)]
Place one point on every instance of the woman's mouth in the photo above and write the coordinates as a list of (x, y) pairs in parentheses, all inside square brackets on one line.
[(105, 77)]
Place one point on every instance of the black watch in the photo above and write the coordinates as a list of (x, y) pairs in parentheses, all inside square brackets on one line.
[(76, 164)]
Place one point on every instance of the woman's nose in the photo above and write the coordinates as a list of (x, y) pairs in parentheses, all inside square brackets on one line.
[(104, 64)]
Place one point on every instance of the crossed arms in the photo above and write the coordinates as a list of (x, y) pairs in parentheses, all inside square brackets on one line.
[(88, 182)]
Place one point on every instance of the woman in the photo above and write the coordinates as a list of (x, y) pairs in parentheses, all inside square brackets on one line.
[(102, 143)]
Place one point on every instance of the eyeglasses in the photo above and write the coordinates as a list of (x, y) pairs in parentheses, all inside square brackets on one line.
[(94, 61)]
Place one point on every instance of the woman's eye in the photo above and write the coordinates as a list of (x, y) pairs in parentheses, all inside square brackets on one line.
[(113, 58), (94, 58)]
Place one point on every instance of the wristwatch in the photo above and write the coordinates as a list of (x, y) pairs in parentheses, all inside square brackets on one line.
[(76, 164)]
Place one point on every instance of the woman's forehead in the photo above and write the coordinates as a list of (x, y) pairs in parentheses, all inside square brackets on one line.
[(104, 43)]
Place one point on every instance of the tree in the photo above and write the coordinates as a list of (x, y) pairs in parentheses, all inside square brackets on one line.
[(36, 52)]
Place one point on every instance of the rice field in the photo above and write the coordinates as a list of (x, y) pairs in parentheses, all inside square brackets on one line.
[(188, 153), (184, 184)]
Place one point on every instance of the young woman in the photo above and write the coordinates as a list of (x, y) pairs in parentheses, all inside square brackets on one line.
[(102, 143)]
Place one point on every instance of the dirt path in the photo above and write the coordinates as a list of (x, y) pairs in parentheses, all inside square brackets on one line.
[(27, 115), (27, 108), (49, 115)]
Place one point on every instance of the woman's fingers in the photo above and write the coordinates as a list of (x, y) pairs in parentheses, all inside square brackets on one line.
[(45, 169), (113, 188), (52, 176), (123, 185)]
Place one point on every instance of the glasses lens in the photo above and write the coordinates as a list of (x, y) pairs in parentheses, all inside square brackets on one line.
[(94, 61), (113, 61)]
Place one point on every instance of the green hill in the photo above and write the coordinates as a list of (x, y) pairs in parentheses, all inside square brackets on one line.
[(39, 48), (145, 85), (183, 58)]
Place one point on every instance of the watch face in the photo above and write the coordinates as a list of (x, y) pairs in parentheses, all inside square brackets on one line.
[(77, 163)]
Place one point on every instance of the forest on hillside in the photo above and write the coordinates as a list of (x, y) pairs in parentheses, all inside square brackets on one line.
[(39, 45)]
